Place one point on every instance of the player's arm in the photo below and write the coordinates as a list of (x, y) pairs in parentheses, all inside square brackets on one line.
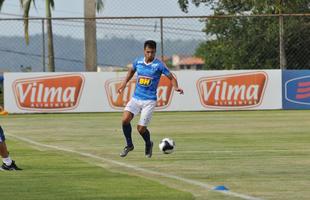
[(129, 75), (175, 83)]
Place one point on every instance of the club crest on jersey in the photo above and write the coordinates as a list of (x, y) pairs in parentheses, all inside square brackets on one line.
[(144, 81)]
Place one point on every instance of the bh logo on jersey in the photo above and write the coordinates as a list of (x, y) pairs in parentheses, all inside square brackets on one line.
[(49, 92), (144, 81), (232, 91), (119, 101)]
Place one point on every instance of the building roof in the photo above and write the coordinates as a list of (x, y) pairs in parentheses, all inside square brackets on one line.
[(165, 58), (191, 61)]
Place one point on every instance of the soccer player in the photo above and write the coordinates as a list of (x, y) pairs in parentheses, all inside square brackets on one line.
[(8, 163), (149, 70)]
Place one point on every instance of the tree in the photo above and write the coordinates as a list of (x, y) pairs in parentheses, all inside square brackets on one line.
[(49, 4), (253, 42), (1, 2), (26, 5), (90, 7)]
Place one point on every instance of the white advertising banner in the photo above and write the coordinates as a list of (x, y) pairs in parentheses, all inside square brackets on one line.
[(97, 91)]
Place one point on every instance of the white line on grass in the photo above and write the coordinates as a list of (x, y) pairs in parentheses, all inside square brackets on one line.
[(136, 168), (251, 151)]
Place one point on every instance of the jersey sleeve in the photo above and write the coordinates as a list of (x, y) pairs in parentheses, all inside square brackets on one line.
[(134, 65), (165, 70)]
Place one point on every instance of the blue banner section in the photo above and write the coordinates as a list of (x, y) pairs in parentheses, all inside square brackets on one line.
[(1, 78), (296, 89)]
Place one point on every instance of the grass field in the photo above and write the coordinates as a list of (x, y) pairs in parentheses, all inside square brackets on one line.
[(256, 154)]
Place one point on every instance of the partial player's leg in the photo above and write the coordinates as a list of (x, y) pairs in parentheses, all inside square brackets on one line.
[(126, 126), (131, 109), (146, 116), (8, 163), (144, 132)]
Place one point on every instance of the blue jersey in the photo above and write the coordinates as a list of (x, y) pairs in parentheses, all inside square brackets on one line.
[(148, 76)]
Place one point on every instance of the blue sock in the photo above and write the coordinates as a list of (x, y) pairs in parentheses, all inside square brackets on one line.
[(127, 134), (2, 137), (146, 137)]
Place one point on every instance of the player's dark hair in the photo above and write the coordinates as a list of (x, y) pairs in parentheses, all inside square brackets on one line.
[(150, 43)]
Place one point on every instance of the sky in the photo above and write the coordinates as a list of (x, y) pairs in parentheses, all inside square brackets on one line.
[(174, 29), (112, 8), (111, 28)]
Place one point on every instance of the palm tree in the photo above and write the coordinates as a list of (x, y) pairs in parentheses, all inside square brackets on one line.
[(26, 5), (90, 7), (1, 2), (90, 33)]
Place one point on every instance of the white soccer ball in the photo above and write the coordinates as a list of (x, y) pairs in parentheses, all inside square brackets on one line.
[(167, 145)]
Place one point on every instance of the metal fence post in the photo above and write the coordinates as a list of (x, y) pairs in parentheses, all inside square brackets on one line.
[(281, 43), (162, 39), (43, 46)]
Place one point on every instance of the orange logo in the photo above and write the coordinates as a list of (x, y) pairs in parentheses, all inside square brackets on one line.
[(119, 101), (49, 93), (232, 91)]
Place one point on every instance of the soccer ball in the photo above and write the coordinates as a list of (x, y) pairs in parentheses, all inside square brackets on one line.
[(167, 145)]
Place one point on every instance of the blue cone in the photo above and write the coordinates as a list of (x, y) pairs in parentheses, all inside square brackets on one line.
[(221, 187)]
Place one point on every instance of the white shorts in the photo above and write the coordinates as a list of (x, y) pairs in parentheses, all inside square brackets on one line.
[(145, 107)]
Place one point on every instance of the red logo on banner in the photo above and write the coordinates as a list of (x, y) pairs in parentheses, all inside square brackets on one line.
[(48, 93), (232, 91), (119, 101)]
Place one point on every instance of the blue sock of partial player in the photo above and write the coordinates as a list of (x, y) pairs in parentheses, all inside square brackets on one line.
[(146, 137), (127, 134), (2, 137)]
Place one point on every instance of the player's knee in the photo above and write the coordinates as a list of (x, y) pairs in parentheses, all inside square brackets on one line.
[(127, 117), (141, 129), (125, 122)]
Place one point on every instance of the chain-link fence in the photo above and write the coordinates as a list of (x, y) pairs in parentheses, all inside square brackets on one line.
[(223, 42)]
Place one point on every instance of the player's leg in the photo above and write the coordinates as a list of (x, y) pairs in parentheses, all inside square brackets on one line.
[(3, 149), (145, 133), (126, 126), (131, 110), (146, 116), (8, 163)]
